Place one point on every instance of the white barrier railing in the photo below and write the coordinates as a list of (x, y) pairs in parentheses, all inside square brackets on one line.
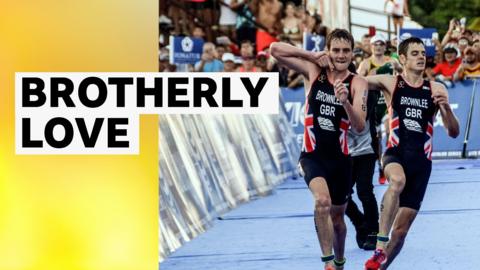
[(210, 164)]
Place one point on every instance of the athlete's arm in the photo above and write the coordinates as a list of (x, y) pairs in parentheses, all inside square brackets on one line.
[(357, 112), (363, 68), (305, 62), (440, 98), (384, 82)]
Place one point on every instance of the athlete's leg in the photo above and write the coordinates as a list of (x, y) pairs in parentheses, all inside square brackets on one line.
[(323, 222), (340, 230), (389, 206), (388, 210), (403, 221)]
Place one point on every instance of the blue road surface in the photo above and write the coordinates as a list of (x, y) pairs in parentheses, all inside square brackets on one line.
[(277, 232)]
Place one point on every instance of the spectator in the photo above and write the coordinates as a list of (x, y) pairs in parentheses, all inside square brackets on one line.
[(176, 11), (248, 64), (246, 48), (245, 26), (204, 13), (398, 9), (394, 41), (443, 72), (453, 32), (198, 32), (269, 12), (369, 66), (295, 79), (291, 25), (228, 19), (366, 45), (262, 60), (164, 64), (471, 65), (209, 63), (468, 34), (221, 49), (432, 62), (476, 44), (463, 42), (357, 57), (228, 60)]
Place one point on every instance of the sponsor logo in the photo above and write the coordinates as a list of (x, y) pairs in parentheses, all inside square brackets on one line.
[(187, 44)]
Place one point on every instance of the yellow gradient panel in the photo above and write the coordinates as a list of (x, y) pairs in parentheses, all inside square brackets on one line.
[(77, 212)]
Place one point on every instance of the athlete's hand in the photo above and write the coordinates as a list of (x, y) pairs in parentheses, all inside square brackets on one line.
[(341, 91), (440, 98), (322, 59)]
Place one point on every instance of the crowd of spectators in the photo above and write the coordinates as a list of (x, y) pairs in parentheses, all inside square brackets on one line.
[(237, 35)]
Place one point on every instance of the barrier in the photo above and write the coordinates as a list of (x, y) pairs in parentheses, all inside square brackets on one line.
[(461, 100), (444, 146), (473, 140), (210, 164), (294, 103)]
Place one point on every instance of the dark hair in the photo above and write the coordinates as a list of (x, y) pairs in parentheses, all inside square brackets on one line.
[(317, 18), (468, 31), (340, 34), (246, 41), (403, 47)]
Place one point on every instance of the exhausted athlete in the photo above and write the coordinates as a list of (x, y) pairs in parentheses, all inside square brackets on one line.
[(413, 103), (336, 100)]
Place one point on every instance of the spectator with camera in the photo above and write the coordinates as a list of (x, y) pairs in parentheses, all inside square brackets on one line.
[(209, 61)]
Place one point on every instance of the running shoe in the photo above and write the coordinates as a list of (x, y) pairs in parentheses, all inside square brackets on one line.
[(382, 180), (376, 260), (329, 267)]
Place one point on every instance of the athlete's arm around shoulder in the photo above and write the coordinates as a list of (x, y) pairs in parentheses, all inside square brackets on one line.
[(384, 82), (440, 98), (363, 67), (357, 112), (306, 62)]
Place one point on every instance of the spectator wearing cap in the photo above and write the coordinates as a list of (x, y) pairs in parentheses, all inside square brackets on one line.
[(444, 71), (209, 63), (228, 60), (378, 59), (470, 66)]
